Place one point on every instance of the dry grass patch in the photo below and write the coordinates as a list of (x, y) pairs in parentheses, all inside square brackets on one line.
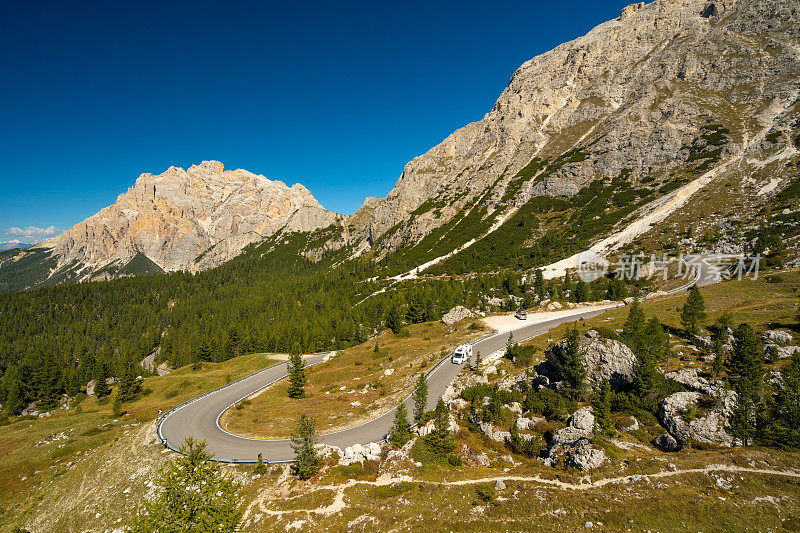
[(353, 386)]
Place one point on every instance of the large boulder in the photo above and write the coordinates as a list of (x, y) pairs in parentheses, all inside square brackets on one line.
[(710, 428), (667, 443), (473, 458), (457, 314), (572, 442), (775, 336), (358, 453), (582, 419), (692, 379), (585, 457), (604, 359)]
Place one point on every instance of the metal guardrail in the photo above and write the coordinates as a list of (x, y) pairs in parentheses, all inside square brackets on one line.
[(163, 417)]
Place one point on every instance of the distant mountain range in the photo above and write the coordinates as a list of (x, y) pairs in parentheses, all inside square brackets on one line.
[(10, 245), (646, 110)]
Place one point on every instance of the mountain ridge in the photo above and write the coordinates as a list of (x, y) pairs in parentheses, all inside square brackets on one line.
[(643, 104)]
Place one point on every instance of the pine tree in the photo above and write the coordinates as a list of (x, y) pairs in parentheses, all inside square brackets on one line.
[(193, 494), (12, 396), (521, 446), (581, 291), (129, 386), (48, 383), (116, 407), (393, 319), (720, 337), (204, 352), (538, 283), (420, 396), (745, 374), (304, 440), (297, 375), (73, 384), (440, 441), (233, 345), (571, 366), (401, 429), (602, 408), (260, 468), (634, 324), (693, 312), (101, 388)]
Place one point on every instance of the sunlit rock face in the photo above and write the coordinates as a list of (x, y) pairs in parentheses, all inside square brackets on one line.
[(188, 219)]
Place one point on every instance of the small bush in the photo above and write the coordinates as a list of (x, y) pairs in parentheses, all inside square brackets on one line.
[(91, 432), (774, 279), (393, 490), (485, 493), (365, 470), (550, 403), (454, 460), (171, 394)]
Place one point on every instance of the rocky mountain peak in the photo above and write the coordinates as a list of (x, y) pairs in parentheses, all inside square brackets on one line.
[(187, 219), (626, 99)]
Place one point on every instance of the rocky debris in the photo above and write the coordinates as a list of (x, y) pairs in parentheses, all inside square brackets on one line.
[(604, 359), (703, 342), (572, 442), (499, 485), (457, 314), (776, 341), (539, 382), (722, 481), (514, 407), (488, 429), (90, 387), (431, 425), (524, 423), (776, 336), (358, 453), (691, 378), (585, 457), (473, 458), (667, 443), (30, 410), (633, 425), (495, 301), (401, 454), (582, 419), (776, 379), (710, 428)]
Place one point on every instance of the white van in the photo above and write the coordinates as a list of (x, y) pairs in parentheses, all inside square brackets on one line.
[(461, 354)]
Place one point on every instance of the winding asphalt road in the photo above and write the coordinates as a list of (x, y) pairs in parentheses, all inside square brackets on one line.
[(200, 417)]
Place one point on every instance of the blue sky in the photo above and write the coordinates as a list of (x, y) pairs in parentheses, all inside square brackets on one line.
[(335, 95)]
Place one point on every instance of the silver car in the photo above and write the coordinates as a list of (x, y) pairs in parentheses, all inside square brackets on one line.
[(521, 314)]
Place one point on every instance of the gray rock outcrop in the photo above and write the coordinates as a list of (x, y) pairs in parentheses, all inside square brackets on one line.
[(674, 410), (572, 443), (627, 94), (457, 314), (604, 359)]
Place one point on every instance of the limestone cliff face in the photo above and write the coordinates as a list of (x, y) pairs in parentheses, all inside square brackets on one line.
[(188, 219), (632, 94)]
